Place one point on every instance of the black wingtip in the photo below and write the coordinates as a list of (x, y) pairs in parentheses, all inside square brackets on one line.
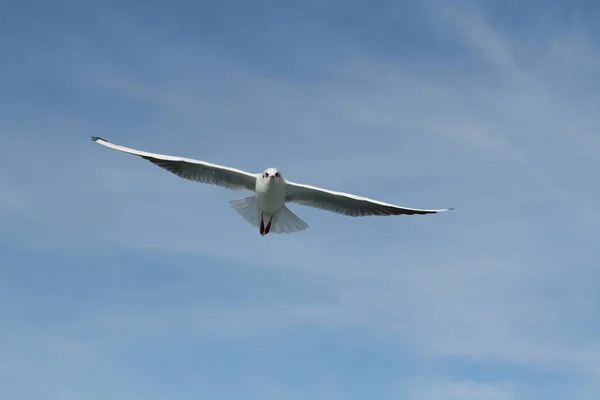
[(96, 138)]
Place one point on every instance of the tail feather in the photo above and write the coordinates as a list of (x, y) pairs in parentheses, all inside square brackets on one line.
[(285, 221), (246, 207)]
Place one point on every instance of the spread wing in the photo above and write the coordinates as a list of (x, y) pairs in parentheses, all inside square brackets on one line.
[(194, 170), (345, 203)]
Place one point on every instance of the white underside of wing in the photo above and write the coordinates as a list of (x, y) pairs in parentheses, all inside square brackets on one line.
[(347, 203), (196, 170)]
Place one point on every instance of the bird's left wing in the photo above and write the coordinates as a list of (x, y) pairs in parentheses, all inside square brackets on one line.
[(345, 203), (194, 170)]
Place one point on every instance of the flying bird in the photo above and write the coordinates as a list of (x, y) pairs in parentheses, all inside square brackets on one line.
[(267, 209)]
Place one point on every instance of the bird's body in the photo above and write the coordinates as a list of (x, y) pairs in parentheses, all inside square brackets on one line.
[(267, 208), (270, 191), (270, 197)]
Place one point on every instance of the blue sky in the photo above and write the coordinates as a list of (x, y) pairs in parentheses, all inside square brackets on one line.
[(119, 280)]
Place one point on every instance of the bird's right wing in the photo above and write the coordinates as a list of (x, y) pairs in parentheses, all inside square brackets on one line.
[(194, 170)]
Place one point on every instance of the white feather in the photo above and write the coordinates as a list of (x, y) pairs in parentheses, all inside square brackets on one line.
[(285, 221), (246, 207), (346, 203), (194, 170)]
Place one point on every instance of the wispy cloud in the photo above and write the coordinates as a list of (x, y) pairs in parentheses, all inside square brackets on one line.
[(439, 389)]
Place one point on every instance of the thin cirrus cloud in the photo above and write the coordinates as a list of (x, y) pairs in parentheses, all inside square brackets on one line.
[(136, 273)]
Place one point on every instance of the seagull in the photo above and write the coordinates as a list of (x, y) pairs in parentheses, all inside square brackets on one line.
[(267, 209)]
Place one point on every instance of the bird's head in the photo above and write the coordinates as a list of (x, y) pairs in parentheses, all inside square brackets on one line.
[(271, 174)]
